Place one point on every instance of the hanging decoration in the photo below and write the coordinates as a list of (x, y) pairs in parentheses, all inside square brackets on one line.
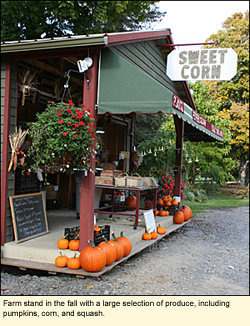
[(16, 140)]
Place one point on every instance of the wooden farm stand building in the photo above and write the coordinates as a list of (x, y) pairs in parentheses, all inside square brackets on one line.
[(127, 77)]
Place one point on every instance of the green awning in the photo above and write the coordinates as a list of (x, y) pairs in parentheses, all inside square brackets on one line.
[(124, 88)]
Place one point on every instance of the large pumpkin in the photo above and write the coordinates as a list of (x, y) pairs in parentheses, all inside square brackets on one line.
[(119, 248), (186, 213), (187, 207), (127, 244), (178, 217), (110, 251), (92, 259), (131, 202)]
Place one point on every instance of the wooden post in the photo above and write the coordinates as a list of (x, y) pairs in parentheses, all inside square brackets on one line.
[(5, 150), (87, 196), (179, 127)]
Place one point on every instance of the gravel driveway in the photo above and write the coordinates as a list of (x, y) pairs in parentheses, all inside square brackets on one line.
[(208, 256)]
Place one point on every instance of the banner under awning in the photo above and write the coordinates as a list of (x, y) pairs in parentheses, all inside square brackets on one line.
[(124, 88)]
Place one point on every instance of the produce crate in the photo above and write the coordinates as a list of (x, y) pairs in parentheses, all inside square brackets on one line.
[(172, 209), (104, 230)]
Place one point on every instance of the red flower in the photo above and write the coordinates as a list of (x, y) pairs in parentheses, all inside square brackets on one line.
[(61, 122), (75, 135), (69, 110), (70, 123), (73, 116), (82, 123), (64, 133), (76, 125), (88, 109), (70, 102), (83, 105)]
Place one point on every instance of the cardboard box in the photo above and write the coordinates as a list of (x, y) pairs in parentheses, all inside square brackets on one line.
[(116, 197), (107, 173)]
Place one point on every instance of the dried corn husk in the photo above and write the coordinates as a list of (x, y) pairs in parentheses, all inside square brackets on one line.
[(16, 140)]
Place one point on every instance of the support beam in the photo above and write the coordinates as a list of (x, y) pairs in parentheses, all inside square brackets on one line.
[(179, 127), (5, 150), (87, 196)]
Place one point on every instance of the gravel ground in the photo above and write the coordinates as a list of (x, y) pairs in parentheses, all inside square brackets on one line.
[(208, 256)]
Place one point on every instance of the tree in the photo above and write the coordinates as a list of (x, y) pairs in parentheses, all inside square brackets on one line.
[(36, 19)]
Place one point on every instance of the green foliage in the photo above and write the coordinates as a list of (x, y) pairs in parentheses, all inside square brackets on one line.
[(36, 19), (62, 136)]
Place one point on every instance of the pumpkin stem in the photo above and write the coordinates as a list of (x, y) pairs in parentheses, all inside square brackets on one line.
[(61, 254), (75, 255), (106, 241), (113, 236), (92, 243), (121, 234), (65, 236), (76, 238)]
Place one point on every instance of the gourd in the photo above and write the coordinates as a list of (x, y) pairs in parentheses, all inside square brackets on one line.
[(61, 261), (127, 244), (178, 217), (63, 243), (73, 262), (119, 248), (146, 236), (74, 244), (110, 251), (131, 202), (154, 235), (92, 259), (161, 230)]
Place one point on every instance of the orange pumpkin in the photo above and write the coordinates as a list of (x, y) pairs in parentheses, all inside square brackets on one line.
[(74, 244), (131, 202), (73, 262), (186, 213), (146, 236), (63, 243), (178, 217), (156, 212), (110, 251), (154, 235), (160, 202), (92, 259), (162, 212), (191, 214), (61, 261), (119, 248), (174, 202), (96, 228), (168, 203), (165, 198), (166, 213), (161, 230), (127, 244)]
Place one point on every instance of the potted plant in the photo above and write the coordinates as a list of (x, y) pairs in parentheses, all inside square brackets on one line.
[(62, 138)]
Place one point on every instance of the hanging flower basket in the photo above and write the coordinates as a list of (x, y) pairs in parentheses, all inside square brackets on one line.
[(62, 137)]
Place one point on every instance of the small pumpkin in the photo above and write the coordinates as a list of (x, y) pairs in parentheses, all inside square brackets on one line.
[(97, 229), (61, 261), (174, 202), (74, 244), (63, 243), (160, 202), (178, 217), (168, 203), (110, 251), (119, 247), (92, 259), (73, 262), (154, 235), (162, 212), (166, 213), (161, 230), (146, 236), (131, 202), (127, 244), (157, 212)]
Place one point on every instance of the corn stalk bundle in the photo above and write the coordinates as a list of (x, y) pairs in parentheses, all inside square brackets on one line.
[(16, 140)]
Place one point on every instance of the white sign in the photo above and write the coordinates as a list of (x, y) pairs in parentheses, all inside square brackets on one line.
[(149, 220), (205, 64)]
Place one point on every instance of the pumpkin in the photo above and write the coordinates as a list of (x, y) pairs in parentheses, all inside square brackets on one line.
[(146, 236), (161, 230), (73, 262), (165, 198), (168, 203), (74, 244), (61, 261), (174, 202), (63, 243), (119, 248), (154, 235), (92, 259), (127, 244), (110, 251), (186, 213), (162, 212), (131, 202), (166, 213), (97, 229), (189, 210), (157, 212), (160, 202), (178, 217)]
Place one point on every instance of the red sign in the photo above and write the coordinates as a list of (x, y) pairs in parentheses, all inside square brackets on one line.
[(177, 103)]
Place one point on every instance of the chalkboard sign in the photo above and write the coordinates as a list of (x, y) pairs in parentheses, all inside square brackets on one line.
[(149, 220), (28, 216)]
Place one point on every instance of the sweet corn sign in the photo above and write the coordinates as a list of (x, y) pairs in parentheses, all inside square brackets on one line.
[(205, 64)]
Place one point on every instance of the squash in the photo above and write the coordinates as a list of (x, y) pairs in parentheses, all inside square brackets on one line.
[(161, 230), (154, 235), (131, 202), (178, 217), (73, 262), (191, 214), (74, 244), (63, 243), (119, 248), (186, 213), (127, 244), (146, 236), (110, 251), (92, 259), (61, 261)]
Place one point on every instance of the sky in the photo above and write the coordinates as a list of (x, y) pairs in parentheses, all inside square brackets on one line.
[(195, 21)]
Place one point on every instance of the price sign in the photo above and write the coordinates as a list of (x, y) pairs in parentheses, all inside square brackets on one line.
[(149, 220)]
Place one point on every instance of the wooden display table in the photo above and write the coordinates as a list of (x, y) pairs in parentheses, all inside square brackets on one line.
[(138, 190)]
